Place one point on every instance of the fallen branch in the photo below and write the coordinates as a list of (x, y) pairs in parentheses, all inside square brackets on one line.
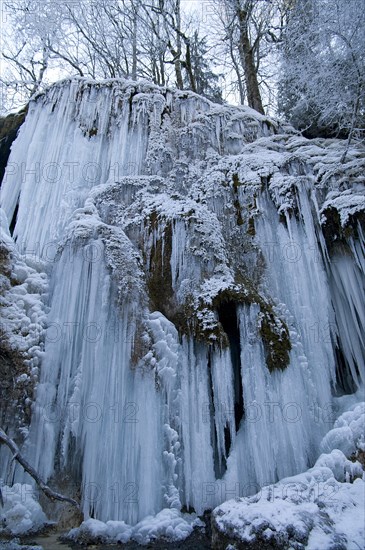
[(31, 471)]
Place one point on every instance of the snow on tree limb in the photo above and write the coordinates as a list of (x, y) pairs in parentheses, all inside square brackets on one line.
[(6, 440)]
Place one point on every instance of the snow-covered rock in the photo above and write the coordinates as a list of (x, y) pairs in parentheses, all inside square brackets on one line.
[(321, 508), (169, 525), (348, 433), (20, 513)]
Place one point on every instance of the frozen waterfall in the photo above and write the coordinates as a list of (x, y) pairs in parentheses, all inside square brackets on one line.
[(205, 299)]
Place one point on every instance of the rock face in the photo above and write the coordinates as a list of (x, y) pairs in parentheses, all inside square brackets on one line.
[(21, 335), (9, 127), (206, 271)]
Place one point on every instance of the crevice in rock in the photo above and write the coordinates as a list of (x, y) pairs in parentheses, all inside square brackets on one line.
[(14, 219), (344, 379), (219, 468), (227, 314)]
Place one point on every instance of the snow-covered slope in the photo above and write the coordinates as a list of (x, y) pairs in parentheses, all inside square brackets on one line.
[(323, 507), (206, 294)]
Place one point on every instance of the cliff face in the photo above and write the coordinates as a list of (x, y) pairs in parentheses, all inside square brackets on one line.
[(206, 277), (9, 127), (22, 327)]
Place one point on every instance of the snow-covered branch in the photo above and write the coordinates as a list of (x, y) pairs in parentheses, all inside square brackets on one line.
[(6, 440)]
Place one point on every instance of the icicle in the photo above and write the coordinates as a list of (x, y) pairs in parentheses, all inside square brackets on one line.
[(347, 291)]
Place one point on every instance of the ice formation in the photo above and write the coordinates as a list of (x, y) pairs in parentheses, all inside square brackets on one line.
[(204, 295), (323, 507)]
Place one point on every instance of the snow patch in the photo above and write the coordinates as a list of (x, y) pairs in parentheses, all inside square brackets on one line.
[(320, 508), (21, 513), (169, 525)]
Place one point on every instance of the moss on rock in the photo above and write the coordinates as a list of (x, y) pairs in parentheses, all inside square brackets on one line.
[(9, 127), (251, 227), (199, 318), (272, 329), (159, 281), (335, 233), (276, 340)]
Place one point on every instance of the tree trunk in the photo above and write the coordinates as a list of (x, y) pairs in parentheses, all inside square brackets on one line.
[(248, 64), (238, 73), (162, 70), (179, 77), (134, 45), (178, 71), (353, 122), (189, 68)]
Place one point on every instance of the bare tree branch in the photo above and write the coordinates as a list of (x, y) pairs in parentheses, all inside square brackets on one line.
[(6, 440)]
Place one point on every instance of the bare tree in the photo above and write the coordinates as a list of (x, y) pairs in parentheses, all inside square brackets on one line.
[(25, 48), (165, 19), (36, 40), (323, 68), (106, 39), (250, 31)]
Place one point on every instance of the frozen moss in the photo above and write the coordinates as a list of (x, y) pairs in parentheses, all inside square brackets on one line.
[(9, 127), (335, 232), (251, 227), (272, 329), (276, 340), (159, 280)]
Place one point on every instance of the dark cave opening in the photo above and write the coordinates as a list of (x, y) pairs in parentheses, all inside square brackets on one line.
[(344, 379), (14, 219), (227, 315), (219, 468), (227, 439)]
